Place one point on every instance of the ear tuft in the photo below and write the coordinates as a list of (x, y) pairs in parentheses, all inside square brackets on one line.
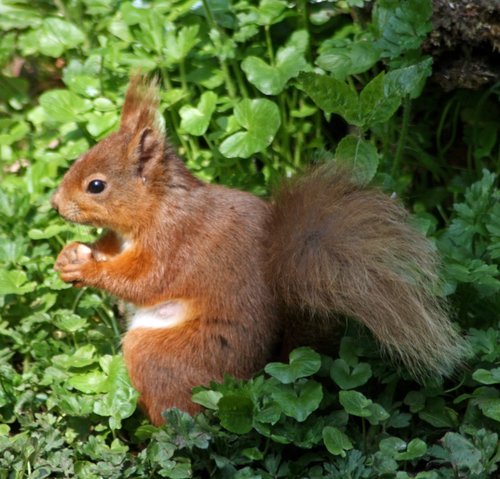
[(140, 109)]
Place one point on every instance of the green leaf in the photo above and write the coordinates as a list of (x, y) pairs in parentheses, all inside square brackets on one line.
[(336, 441), (208, 399), (270, 414), (348, 378), (178, 45), (376, 106), (133, 14), (195, 120), (350, 350), (493, 228), (490, 407), (415, 400), (482, 139), (236, 413), (303, 362), (70, 322), (261, 120), (121, 398), (53, 38), (487, 377), (49, 232), (299, 400), (268, 79), (488, 402), (81, 84), (378, 414), (15, 15), (408, 81), (401, 25), (331, 95), (391, 446), (360, 157), (74, 404), (462, 452), (270, 11), (437, 414), (252, 453), (83, 356), (101, 124), (89, 383), (415, 449), (355, 403), (290, 61), (343, 58), (16, 133), (64, 106), (15, 282)]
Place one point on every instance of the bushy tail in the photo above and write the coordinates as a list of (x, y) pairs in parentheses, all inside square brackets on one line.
[(339, 248)]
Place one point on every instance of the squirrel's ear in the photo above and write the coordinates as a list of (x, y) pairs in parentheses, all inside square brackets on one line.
[(141, 105), (146, 149)]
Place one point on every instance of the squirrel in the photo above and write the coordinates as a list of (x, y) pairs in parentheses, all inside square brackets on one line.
[(219, 278)]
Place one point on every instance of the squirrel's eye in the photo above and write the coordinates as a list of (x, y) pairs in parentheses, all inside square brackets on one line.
[(96, 186)]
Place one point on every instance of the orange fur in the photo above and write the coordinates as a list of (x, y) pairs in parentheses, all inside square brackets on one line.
[(245, 267)]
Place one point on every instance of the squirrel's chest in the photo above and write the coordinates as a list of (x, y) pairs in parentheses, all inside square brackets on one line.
[(165, 315)]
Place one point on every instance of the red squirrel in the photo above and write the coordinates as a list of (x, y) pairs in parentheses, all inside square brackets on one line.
[(219, 277)]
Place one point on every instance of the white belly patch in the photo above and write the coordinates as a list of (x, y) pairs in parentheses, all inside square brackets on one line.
[(165, 315)]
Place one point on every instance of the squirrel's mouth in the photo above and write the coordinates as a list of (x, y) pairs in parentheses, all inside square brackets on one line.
[(76, 218), (73, 214)]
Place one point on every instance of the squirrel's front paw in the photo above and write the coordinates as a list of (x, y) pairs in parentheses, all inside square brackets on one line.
[(74, 263)]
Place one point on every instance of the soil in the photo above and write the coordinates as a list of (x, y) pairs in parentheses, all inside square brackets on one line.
[(465, 43)]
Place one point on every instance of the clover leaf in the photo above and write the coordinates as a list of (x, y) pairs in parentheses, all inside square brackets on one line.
[(260, 119)]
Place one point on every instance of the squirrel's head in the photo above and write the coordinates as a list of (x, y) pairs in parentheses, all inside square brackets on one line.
[(118, 184)]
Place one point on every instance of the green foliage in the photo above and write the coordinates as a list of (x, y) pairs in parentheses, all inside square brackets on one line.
[(252, 91)]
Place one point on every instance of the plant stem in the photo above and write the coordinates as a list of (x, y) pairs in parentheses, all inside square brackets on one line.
[(239, 80), (304, 21), (171, 114), (365, 438), (182, 70), (269, 44), (77, 299), (109, 320), (225, 70), (166, 79), (402, 137), (208, 11), (227, 76), (285, 137), (211, 146)]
